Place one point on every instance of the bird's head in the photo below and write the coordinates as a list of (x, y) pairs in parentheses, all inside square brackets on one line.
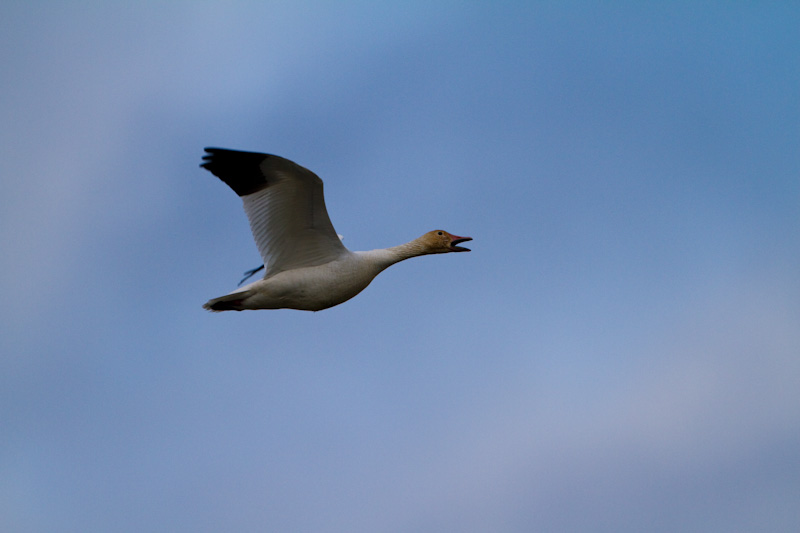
[(439, 242)]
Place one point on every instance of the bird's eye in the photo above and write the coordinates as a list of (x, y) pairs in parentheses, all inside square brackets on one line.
[(440, 233)]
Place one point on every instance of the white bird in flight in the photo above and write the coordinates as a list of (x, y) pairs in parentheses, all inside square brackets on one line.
[(307, 266)]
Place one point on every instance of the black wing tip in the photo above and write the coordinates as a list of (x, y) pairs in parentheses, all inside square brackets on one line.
[(250, 273), (210, 153), (213, 150), (240, 170)]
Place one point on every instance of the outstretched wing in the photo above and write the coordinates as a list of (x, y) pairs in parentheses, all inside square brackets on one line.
[(285, 205)]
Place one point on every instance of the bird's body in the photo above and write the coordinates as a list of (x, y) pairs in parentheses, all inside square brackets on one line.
[(310, 288), (307, 266)]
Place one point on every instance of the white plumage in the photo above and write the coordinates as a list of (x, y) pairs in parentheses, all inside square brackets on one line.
[(306, 265)]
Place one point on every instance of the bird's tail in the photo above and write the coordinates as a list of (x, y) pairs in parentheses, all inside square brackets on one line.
[(229, 302)]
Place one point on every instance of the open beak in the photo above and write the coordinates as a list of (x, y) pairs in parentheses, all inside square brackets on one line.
[(458, 240)]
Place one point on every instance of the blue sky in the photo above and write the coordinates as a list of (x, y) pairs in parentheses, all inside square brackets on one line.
[(620, 351)]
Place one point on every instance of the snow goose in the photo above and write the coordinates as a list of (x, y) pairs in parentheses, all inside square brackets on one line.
[(307, 266)]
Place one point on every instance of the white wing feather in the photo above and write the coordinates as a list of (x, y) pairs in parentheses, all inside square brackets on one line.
[(288, 218)]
